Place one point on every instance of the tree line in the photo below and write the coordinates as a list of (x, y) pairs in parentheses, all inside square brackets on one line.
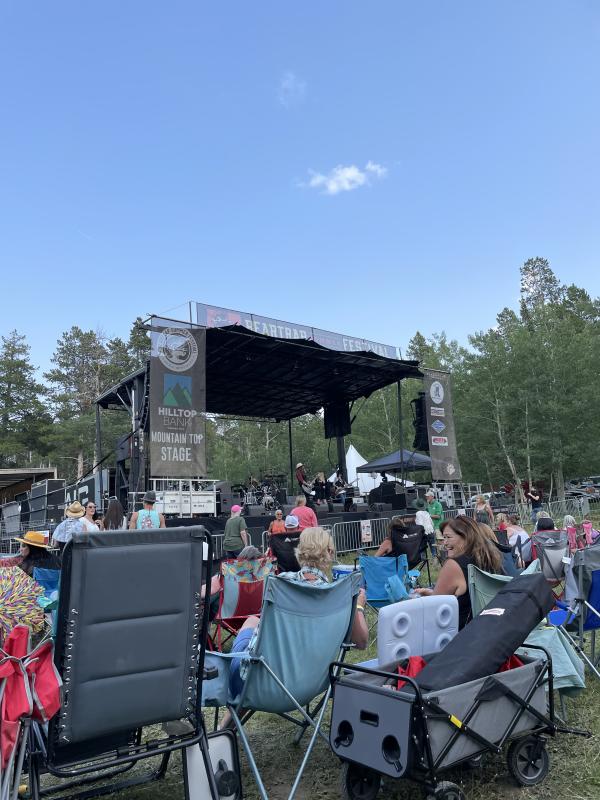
[(523, 391)]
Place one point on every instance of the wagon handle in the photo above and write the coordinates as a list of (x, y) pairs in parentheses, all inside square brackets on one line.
[(368, 671)]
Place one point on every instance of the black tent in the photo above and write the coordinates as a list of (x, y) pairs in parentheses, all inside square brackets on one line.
[(413, 462)]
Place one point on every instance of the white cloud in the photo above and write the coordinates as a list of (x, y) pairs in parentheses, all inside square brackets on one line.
[(376, 169), (292, 89), (345, 179)]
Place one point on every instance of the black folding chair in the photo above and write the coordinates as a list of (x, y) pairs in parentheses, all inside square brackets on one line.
[(130, 650)]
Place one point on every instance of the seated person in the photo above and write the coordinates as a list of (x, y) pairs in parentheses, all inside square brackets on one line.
[(315, 555), (569, 522), (465, 544), (36, 553), (501, 522), (306, 516), (283, 545), (544, 522), (595, 534), (516, 532), (399, 528), (509, 565)]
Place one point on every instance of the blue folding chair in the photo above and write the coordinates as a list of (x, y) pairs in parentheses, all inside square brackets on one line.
[(49, 580), (303, 629), (376, 572)]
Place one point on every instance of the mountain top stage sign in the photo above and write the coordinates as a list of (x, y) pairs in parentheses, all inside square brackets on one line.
[(216, 317)]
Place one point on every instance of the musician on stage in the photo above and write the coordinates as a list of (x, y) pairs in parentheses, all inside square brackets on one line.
[(302, 480), (319, 485)]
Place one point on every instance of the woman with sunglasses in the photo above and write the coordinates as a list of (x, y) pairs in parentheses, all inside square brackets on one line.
[(89, 518)]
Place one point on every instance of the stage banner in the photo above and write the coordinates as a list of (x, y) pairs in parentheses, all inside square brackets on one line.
[(177, 401), (215, 317), (440, 426)]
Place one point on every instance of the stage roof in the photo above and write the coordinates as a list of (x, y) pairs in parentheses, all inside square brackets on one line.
[(251, 375), (11, 477), (413, 462)]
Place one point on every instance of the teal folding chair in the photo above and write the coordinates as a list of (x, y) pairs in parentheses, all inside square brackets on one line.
[(376, 573), (303, 629)]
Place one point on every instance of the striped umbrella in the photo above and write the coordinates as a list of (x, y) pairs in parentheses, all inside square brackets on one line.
[(18, 601)]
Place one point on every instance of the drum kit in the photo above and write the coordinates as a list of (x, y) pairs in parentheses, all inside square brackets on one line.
[(265, 493)]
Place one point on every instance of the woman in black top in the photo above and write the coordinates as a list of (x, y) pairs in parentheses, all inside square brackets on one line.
[(404, 537), (465, 544)]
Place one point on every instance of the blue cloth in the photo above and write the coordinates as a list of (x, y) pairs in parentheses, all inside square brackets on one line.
[(241, 643)]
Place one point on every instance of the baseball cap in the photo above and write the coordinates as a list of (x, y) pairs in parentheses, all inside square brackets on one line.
[(236, 508), (291, 521)]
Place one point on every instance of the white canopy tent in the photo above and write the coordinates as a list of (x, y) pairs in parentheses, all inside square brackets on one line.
[(364, 481)]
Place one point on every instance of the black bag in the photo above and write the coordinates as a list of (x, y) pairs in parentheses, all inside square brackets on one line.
[(483, 645)]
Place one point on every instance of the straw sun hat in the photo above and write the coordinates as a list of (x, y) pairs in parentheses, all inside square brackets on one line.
[(34, 539), (75, 510)]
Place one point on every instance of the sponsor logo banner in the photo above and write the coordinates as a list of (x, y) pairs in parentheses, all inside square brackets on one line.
[(177, 401), (214, 317), (442, 448)]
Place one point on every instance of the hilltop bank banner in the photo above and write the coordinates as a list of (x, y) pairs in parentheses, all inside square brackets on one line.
[(177, 401), (440, 426), (214, 317)]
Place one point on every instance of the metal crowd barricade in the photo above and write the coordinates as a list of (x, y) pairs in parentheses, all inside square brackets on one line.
[(348, 536)]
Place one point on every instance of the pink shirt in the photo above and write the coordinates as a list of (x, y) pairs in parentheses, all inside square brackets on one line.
[(306, 517)]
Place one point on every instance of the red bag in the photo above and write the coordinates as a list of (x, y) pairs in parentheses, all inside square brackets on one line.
[(414, 666), (511, 663)]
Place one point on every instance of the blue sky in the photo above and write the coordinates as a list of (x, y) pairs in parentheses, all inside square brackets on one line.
[(371, 169)]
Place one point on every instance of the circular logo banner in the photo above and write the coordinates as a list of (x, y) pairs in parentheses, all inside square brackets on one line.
[(436, 392), (177, 349)]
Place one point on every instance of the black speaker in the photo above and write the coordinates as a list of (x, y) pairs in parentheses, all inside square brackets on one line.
[(399, 501), (381, 507), (281, 496), (421, 441), (123, 448), (337, 420)]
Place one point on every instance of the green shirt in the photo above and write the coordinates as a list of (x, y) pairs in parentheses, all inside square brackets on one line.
[(435, 507), (232, 539)]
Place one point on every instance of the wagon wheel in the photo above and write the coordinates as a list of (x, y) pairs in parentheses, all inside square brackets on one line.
[(445, 790), (528, 760), (359, 783)]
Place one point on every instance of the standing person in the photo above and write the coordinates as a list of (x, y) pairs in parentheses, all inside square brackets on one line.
[(306, 516), (89, 518), (319, 484), (114, 519), (535, 498), (236, 534), (63, 532), (435, 511), (483, 511), (277, 525), (302, 480), (147, 517)]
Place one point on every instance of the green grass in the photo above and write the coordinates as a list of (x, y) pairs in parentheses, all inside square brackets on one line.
[(574, 762)]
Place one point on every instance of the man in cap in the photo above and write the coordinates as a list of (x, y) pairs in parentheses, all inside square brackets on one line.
[(147, 517), (284, 546), (72, 523), (236, 536), (436, 512)]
